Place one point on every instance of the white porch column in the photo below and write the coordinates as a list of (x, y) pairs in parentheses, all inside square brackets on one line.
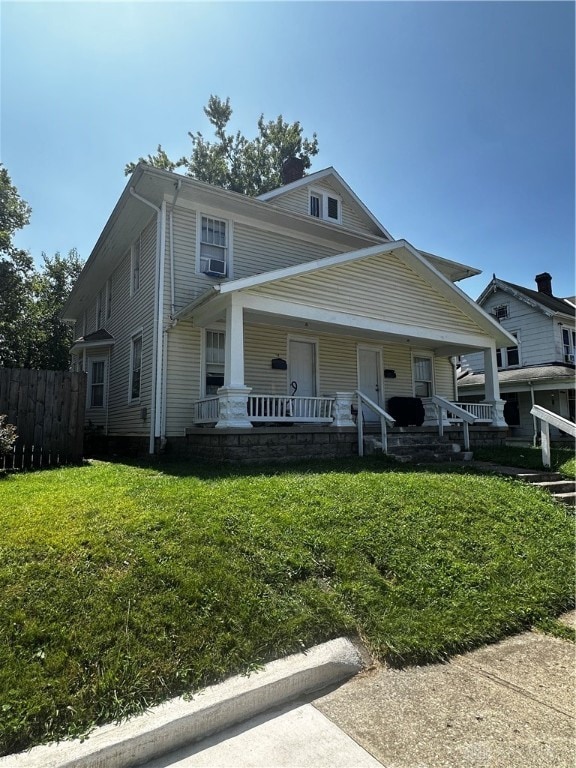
[(342, 410), (431, 415), (233, 396), (492, 387)]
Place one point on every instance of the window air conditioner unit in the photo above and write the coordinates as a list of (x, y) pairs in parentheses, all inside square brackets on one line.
[(214, 267), (569, 358)]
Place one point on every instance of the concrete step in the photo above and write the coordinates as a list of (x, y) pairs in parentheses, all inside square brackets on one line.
[(566, 498), (556, 486), (539, 477)]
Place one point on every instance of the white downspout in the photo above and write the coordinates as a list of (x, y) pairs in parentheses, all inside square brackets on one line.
[(157, 337), (534, 419), (172, 285)]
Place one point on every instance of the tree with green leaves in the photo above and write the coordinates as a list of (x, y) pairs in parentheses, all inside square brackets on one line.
[(249, 166), (16, 269), (31, 332)]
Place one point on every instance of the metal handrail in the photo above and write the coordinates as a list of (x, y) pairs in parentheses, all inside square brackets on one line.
[(385, 418), (442, 404), (547, 419)]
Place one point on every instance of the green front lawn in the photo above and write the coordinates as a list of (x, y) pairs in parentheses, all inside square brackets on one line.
[(122, 585), (562, 460)]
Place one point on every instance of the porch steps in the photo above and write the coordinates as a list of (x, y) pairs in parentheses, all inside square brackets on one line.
[(416, 447), (561, 488)]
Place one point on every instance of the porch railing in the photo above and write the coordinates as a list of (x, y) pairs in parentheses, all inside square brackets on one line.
[(385, 419), (283, 408), (206, 410), (548, 418), (271, 408), (482, 411), (454, 411)]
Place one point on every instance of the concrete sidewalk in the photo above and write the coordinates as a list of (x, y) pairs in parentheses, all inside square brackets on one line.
[(508, 705)]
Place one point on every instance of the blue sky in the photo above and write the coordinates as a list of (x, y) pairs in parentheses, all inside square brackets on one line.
[(452, 121)]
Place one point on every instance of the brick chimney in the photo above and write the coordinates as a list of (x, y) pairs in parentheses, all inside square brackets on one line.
[(544, 283), (292, 170)]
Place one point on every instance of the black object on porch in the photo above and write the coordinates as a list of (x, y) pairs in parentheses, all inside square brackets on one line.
[(406, 411)]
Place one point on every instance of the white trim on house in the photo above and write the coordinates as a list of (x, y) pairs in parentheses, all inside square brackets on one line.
[(495, 284), (104, 359), (329, 172), (406, 252), (138, 334), (323, 196), (422, 354)]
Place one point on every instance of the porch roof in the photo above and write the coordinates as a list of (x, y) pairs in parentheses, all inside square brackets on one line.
[(488, 328), (535, 375)]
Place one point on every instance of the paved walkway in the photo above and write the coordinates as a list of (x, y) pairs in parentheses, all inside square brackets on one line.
[(508, 705)]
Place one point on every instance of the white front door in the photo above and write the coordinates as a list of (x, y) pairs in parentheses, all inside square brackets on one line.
[(302, 368), (369, 382)]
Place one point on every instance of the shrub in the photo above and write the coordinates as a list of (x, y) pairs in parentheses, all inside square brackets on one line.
[(8, 435)]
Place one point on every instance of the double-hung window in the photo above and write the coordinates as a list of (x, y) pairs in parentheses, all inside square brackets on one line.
[(136, 367), (108, 298), (213, 246), (97, 384), (508, 357), (215, 343), (568, 344), (135, 254), (423, 382)]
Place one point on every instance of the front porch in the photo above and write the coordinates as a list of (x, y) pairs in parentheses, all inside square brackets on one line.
[(283, 427), (325, 349), (305, 441)]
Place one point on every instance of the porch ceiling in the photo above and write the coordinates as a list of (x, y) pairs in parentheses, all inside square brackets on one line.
[(408, 335)]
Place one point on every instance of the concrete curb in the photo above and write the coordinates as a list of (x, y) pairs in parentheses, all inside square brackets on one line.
[(179, 722)]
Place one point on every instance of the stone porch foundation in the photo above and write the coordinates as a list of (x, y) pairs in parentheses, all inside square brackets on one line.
[(310, 442)]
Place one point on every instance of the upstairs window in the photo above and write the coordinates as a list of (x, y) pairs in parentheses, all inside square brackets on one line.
[(501, 312), (135, 267), (324, 205), (135, 367), (108, 298), (99, 311), (508, 357), (213, 247), (568, 344)]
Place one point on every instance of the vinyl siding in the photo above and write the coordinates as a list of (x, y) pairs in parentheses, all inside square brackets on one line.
[(536, 332), (257, 251), (444, 378), (127, 316), (353, 217), (383, 288), (183, 385), (337, 367)]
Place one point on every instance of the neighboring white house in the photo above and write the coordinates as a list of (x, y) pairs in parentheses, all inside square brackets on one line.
[(539, 368), (200, 306)]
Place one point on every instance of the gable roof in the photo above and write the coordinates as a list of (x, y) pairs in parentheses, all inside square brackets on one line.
[(401, 248), (551, 303), (327, 174)]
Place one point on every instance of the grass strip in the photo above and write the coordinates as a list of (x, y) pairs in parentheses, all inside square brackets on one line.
[(563, 460), (123, 584)]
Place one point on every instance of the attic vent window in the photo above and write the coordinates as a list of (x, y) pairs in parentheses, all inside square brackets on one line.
[(501, 312), (315, 205), (325, 206), (333, 208)]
